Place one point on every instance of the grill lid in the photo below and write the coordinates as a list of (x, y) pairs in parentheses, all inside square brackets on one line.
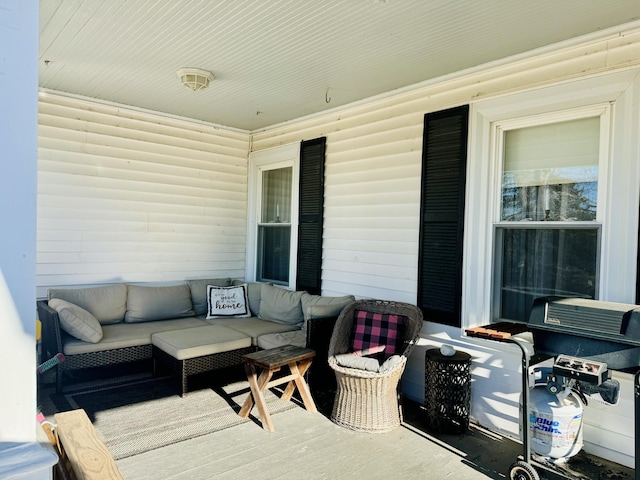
[(610, 321)]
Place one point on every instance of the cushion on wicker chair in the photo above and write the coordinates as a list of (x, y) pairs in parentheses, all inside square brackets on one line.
[(355, 361), (372, 329)]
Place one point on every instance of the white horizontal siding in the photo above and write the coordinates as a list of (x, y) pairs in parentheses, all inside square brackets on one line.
[(371, 218), (372, 195), (125, 195), (131, 196), (373, 162)]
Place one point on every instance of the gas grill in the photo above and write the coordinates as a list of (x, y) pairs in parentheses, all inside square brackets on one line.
[(600, 335), (587, 339), (591, 329)]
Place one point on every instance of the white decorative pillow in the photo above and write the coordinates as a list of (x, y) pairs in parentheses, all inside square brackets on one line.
[(77, 321), (226, 302)]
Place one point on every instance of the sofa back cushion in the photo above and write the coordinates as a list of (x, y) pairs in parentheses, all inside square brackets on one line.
[(254, 290), (198, 288), (146, 304), (317, 306), (107, 303), (280, 305)]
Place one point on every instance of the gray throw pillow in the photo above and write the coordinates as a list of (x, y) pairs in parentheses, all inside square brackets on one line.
[(76, 321), (146, 304), (280, 305)]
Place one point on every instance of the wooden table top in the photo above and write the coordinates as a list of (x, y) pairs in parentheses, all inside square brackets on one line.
[(279, 356)]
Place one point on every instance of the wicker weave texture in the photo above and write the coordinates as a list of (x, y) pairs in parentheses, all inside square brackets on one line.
[(107, 357), (52, 344), (368, 401), (367, 404), (205, 363)]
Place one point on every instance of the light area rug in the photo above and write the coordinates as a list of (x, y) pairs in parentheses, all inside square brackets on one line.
[(149, 414)]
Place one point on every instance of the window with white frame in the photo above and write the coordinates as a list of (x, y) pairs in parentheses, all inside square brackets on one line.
[(273, 215), (548, 221), (274, 226)]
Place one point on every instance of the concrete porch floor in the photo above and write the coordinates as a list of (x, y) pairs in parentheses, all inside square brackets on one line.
[(310, 446)]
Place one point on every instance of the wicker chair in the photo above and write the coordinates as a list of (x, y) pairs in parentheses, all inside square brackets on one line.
[(367, 401)]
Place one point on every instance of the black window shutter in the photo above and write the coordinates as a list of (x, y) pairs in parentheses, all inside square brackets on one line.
[(444, 162), (311, 204)]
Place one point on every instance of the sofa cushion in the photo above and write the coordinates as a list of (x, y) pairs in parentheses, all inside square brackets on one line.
[(254, 327), (198, 288), (107, 303), (77, 321), (122, 335), (255, 292), (227, 302), (273, 340), (367, 363), (317, 306), (196, 342), (280, 305), (146, 304)]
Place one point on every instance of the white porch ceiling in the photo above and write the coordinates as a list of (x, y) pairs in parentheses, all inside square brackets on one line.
[(278, 60)]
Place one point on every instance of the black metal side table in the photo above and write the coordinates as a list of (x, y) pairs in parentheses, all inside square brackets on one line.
[(447, 391)]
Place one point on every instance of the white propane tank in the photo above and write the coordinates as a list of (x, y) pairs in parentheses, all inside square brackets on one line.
[(555, 425)]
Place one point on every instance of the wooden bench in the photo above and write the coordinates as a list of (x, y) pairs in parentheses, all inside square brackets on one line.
[(83, 447), (268, 362)]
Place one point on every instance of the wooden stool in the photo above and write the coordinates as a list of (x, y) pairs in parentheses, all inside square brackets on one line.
[(270, 361)]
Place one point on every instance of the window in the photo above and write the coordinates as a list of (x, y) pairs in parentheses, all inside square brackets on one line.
[(286, 197), (274, 226), (273, 215), (547, 236)]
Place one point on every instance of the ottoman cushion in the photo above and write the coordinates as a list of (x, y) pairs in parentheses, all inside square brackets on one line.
[(199, 341)]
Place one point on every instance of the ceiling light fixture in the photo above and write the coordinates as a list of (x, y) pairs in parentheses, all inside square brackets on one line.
[(195, 78)]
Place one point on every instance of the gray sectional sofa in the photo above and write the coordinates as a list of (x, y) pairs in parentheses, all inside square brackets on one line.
[(114, 324)]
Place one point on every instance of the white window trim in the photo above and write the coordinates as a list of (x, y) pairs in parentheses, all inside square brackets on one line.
[(276, 157), (600, 110), (621, 175), (603, 111)]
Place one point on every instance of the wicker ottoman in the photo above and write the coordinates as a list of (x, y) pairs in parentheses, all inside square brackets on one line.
[(199, 349)]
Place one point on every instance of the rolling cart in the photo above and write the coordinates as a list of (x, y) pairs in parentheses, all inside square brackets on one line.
[(589, 378)]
